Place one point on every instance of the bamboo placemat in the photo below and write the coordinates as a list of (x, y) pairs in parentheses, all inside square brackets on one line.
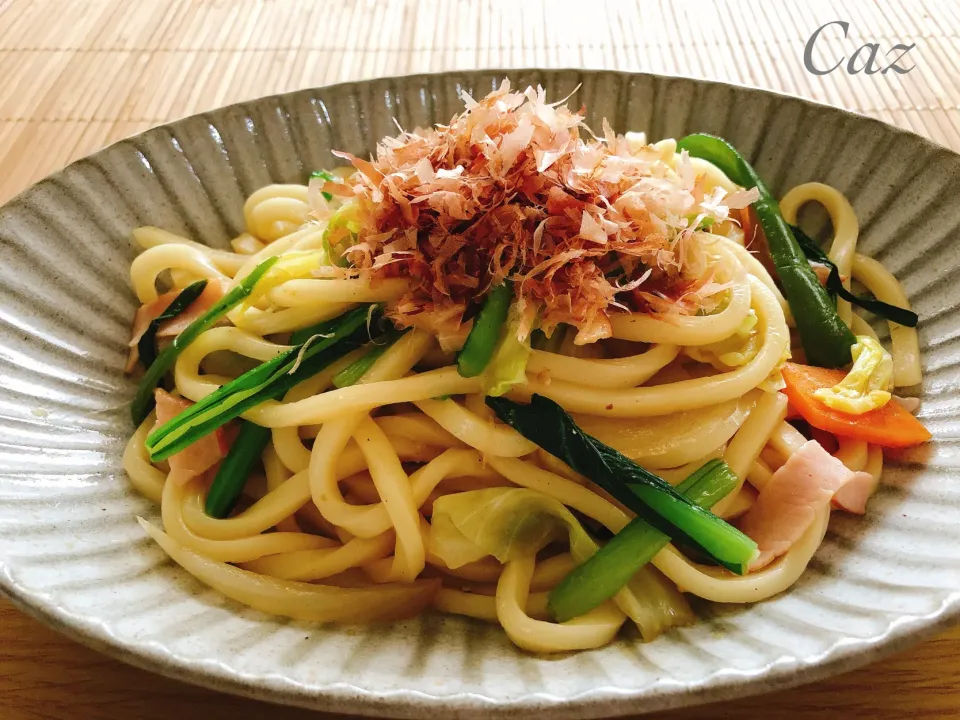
[(81, 74), (78, 75)]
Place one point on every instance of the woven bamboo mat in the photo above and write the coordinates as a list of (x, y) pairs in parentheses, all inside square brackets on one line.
[(78, 75)]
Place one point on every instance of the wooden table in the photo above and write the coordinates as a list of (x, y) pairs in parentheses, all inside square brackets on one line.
[(80, 74)]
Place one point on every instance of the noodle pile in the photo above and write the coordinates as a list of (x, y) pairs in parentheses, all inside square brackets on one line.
[(657, 330)]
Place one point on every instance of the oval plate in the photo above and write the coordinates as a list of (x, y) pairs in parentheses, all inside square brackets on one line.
[(73, 556)]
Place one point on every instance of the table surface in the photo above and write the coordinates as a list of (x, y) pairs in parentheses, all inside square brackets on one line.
[(81, 74)]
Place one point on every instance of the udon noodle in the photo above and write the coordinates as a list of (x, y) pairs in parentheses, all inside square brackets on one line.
[(337, 521)]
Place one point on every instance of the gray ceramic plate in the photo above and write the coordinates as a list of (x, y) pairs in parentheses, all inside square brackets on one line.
[(72, 555)]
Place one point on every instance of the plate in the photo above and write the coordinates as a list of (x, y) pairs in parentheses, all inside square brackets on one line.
[(72, 555)]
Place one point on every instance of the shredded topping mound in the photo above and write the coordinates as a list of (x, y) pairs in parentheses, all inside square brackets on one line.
[(510, 189)]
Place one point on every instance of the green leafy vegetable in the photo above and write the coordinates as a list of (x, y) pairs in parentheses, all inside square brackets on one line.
[(235, 468), (545, 423), (147, 346), (825, 337), (264, 382), (143, 399), (483, 337), (600, 577), (814, 252), (503, 522), (345, 218), (352, 373), (510, 523), (811, 248), (508, 366)]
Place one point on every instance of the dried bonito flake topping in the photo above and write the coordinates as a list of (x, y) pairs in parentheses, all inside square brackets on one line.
[(516, 187)]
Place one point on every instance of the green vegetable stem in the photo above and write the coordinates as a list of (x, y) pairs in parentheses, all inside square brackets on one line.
[(143, 399), (825, 337), (657, 502), (604, 573), (235, 468), (267, 381), (485, 333), (147, 345)]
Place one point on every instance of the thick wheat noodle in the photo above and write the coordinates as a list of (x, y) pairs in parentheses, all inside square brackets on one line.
[(290, 497), (396, 494), (691, 330), (721, 586), (150, 263), (419, 428), (845, 229), (237, 550), (311, 565), (192, 384), (302, 601), (852, 453), (624, 372), (746, 445), (757, 270), (786, 439), (147, 479), (862, 327), (334, 435), (277, 474), (484, 607), (686, 394), (267, 323), (336, 404), (905, 341), (297, 293), (593, 629), (476, 432), (759, 474), (276, 210), (308, 237), (225, 261)]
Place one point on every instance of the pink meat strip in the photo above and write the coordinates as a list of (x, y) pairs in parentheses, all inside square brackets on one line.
[(214, 291), (790, 501), (203, 454)]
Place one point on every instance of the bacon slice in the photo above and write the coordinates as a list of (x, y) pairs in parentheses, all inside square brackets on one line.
[(789, 502), (853, 496), (202, 455), (215, 289)]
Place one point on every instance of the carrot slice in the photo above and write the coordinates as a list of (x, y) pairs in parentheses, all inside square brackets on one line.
[(889, 426)]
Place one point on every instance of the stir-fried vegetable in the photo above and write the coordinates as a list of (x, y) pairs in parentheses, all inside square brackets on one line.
[(356, 370), (289, 266), (341, 229), (483, 337), (235, 468), (600, 577), (143, 399), (889, 426), (867, 385), (834, 285), (508, 366), (298, 337), (511, 523), (147, 345), (503, 522), (547, 424), (826, 339), (264, 382)]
